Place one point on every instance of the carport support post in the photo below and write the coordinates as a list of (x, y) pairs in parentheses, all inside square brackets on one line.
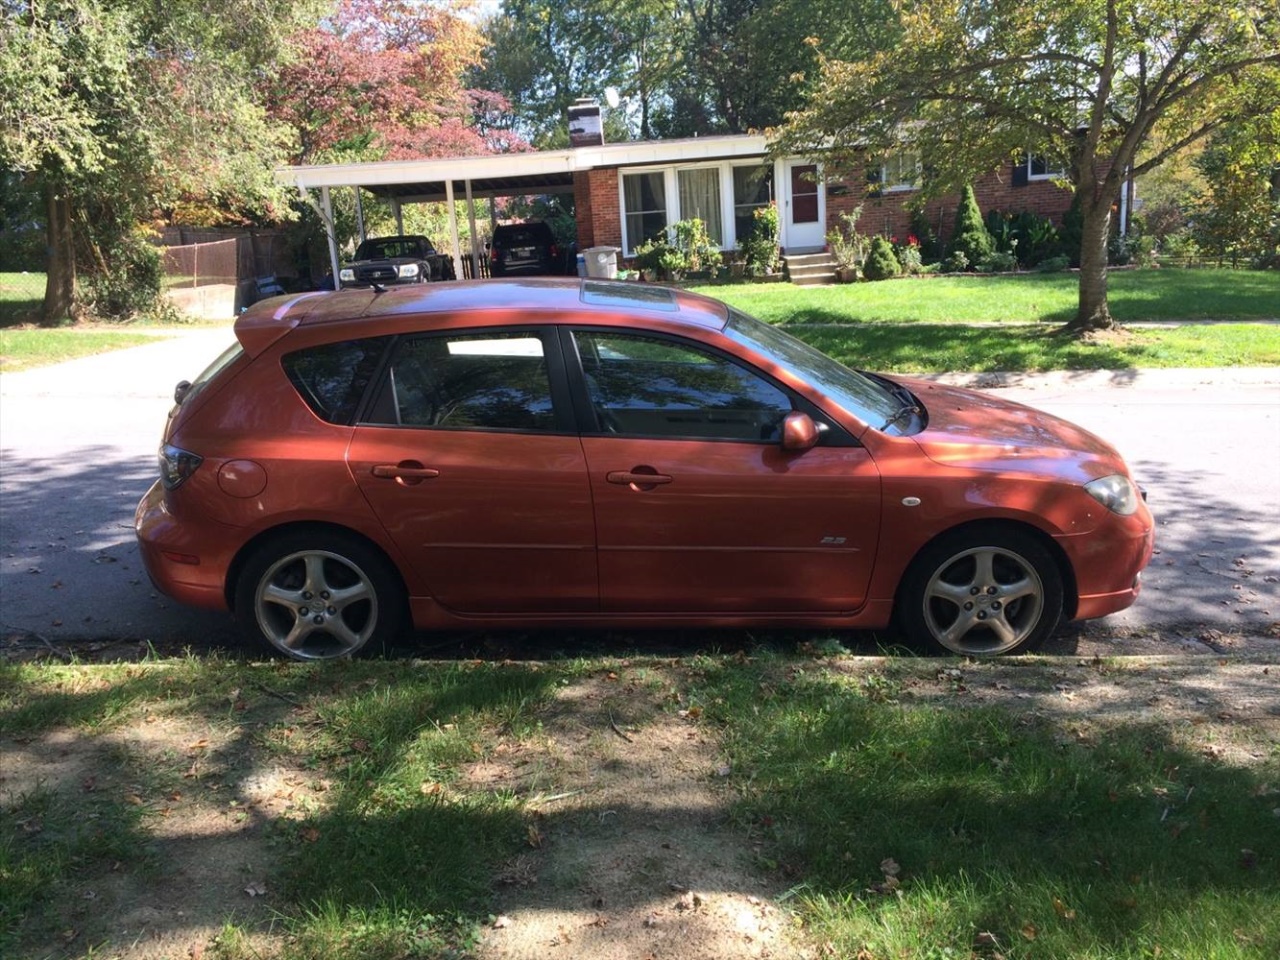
[(453, 228), (359, 213), (399, 215), (471, 221), (326, 206)]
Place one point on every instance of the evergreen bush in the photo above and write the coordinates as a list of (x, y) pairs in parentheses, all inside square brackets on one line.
[(882, 262), (971, 236)]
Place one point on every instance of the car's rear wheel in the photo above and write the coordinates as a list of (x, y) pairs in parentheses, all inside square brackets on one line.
[(319, 596), (982, 592)]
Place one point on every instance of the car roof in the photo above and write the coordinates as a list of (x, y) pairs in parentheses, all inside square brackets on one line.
[(516, 301)]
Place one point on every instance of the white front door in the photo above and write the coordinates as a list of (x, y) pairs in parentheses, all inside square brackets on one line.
[(805, 218)]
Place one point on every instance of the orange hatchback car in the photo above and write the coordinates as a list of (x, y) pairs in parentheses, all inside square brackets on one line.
[(589, 453)]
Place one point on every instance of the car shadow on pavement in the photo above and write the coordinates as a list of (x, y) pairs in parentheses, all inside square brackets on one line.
[(70, 568)]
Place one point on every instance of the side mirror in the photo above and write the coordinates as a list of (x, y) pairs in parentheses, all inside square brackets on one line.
[(799, 432)]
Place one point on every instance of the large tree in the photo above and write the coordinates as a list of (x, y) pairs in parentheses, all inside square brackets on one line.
[(1109, 88), (386, 79), (117, 108)]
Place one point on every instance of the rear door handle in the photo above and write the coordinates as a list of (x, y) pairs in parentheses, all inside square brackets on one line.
[(638, 478), (406, 472)]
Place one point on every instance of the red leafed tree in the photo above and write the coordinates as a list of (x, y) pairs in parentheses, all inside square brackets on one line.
[(386, 78)]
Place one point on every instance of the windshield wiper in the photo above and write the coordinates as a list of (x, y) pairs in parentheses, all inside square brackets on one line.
[(902, 411)]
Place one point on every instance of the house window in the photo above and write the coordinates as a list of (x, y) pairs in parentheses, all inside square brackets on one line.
[(1040, 167), (752, 189), (900, 171), (644, 198), (700, 198)]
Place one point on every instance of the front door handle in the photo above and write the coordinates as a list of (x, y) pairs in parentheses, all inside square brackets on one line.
[(406, 473), (638, 478)]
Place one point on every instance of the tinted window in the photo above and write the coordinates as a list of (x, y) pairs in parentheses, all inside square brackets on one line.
[(491, 381), (388, 248), (332, 378), (651, 387)]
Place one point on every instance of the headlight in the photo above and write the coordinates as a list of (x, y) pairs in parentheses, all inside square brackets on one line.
[(408, 269), (347, 276), (1115, 492), (176, 465)]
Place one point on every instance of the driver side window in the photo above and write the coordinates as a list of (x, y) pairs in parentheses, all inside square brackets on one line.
[(653, 387)]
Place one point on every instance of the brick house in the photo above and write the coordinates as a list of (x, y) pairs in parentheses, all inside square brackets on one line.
[(627, 192)]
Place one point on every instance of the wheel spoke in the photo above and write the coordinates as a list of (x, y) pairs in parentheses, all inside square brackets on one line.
[(344, 597), (294, 640), (1002, 629), (1014, 591), (960, 628), (956, 593), (984, 568), (315, 573), (343, 633), (277, 594)]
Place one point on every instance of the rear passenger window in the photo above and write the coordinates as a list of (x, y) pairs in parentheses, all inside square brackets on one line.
[(488, 381), (333, 377)]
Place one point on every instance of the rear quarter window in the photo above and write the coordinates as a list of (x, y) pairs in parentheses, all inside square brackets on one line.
[(333, 377)]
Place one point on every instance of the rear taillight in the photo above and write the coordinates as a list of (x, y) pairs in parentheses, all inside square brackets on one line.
[(493, 254), (555, 251), (176, 465)]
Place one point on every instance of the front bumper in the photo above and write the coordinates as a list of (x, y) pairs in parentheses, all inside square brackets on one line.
[(1108, 564)]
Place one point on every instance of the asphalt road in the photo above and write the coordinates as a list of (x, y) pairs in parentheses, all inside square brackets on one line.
[(78, 441)]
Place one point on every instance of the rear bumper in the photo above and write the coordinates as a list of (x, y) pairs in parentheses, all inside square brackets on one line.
[(185, 567)]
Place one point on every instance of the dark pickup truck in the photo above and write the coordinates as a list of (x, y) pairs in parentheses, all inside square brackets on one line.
[(393, 260)]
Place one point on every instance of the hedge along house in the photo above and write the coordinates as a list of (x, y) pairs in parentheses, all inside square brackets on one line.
[(625, 193)]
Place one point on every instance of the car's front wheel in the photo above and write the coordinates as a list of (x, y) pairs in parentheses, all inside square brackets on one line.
[(319, 596), (983, 592)]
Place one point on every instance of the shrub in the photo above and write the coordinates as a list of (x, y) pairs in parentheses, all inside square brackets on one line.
[(692, 240), (130, 284), (909, 255), (997, 262), (971, 237), (760, 248), (882, 262), (1054, 264), (930, 246), (847, 245), (956, 263)]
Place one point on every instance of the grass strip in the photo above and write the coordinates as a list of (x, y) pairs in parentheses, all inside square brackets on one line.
[(27, 349), (910, 828), (1133, 295)]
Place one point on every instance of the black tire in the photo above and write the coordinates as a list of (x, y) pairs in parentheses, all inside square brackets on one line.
[(980, 593), (353, 598)]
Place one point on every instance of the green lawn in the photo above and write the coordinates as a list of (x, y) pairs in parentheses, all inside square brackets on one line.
[(1134, 295), (904, 818), (24, 349), (942, 348)]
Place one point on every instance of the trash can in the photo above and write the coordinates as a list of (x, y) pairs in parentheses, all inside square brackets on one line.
[(602, 262), (582, 264)]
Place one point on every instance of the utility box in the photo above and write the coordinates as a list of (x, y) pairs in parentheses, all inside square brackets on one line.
[(602, 262)]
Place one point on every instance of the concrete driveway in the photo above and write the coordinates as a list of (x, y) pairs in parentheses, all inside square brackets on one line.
[(78, 443)]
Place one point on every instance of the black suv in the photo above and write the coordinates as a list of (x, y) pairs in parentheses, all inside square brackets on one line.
[(524, 248), (394, 260)]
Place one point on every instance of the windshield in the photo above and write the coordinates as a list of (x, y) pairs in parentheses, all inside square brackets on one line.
[(869, 400)]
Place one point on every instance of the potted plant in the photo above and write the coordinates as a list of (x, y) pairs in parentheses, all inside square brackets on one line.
[(848, 247)]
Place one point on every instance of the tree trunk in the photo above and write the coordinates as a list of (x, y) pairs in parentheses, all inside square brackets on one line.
[(1093, 313), (60, 282)]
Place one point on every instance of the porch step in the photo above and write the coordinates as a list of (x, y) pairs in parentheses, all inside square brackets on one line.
[(810, 269)]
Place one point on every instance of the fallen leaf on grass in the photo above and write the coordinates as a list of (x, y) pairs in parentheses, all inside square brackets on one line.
[(1062, 910), (1029, 931), (501, 922), (533, 835), (256, 889), (889, 867), (309, 834)]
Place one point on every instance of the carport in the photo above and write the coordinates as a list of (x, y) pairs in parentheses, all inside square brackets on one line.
[(434, 181)]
